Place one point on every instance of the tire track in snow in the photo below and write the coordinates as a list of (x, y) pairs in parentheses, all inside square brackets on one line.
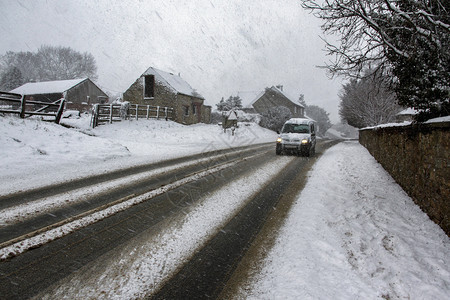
[(40, 237)]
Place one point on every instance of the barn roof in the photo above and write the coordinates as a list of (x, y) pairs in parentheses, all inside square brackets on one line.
[(250, 97), (277, 90), (175, 82), (47, 87)]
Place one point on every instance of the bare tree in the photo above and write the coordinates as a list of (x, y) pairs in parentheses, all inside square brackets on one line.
[(11, 79), (51, 63), (233, 102), (59, 63), (408, 38), (319, 115), (368, 102), (24, 61)]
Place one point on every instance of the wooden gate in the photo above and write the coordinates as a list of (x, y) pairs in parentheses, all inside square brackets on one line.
[(17, 104)]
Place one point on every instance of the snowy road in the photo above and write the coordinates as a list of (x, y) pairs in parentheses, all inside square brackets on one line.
[(362, 237), (48, 207), (89, 226)]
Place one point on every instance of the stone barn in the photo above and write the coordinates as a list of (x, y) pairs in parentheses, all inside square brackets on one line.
[(158, 88)]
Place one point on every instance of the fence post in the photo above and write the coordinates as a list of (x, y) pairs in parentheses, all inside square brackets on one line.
[(60, 111), (165, 109), (157, 112), (148, 111), (94, 116), (22, 108), (110, 113)]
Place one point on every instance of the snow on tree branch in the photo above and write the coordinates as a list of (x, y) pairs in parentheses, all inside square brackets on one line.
[(410, 39)]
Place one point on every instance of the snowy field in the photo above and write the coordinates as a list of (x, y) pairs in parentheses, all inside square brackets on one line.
[(352, 234)]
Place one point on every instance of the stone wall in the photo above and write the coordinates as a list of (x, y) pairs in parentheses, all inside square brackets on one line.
[(417, 157)]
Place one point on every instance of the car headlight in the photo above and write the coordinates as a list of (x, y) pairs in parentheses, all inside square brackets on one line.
[(279, 140), (304, 141)]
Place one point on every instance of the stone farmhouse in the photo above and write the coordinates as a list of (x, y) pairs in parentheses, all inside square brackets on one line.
[(158, 88), (79, 94), (260, 102)]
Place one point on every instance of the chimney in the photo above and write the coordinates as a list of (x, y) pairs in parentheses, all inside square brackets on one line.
[(280, 87)]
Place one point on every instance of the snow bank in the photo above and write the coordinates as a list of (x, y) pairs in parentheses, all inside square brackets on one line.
[(407, 123), (354, 234), (439, 120)]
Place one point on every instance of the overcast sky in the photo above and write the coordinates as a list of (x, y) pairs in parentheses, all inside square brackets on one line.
[(218, 46)]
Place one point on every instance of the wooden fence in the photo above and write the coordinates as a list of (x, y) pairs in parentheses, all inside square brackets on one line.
[(109, 113), (17, 104)]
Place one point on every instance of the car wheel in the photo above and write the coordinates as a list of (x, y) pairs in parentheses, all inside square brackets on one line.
[(278, 151)]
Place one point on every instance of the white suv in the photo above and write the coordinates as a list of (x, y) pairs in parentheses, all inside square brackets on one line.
[(298, 136)]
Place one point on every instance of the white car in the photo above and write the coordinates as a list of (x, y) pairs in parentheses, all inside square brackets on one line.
[(298, 136)]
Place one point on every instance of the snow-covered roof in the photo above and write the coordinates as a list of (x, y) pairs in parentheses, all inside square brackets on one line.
[(175, 82), (47, 87), (232, 115), (277, 90), (250, 97), (408, 111)]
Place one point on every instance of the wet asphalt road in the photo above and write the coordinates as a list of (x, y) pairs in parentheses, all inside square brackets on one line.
[(204, 276), (208, 271)]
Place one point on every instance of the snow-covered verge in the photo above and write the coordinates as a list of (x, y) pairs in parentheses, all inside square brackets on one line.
[(438, 120), (355, 234), (35, 153), (407, 123)]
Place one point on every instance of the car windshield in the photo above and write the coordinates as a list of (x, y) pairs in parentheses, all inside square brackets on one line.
[(295, 128)]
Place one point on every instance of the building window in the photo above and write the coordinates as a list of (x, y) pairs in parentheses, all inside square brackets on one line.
[(186, 110), (149, 86), (194, 108)]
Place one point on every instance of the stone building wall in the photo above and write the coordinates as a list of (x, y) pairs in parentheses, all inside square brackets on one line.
[(273, 99), (206, 114), (183, 105), (135, 94), (417, 157)]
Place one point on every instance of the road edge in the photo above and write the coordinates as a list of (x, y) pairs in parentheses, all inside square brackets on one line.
[(250, 265)]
